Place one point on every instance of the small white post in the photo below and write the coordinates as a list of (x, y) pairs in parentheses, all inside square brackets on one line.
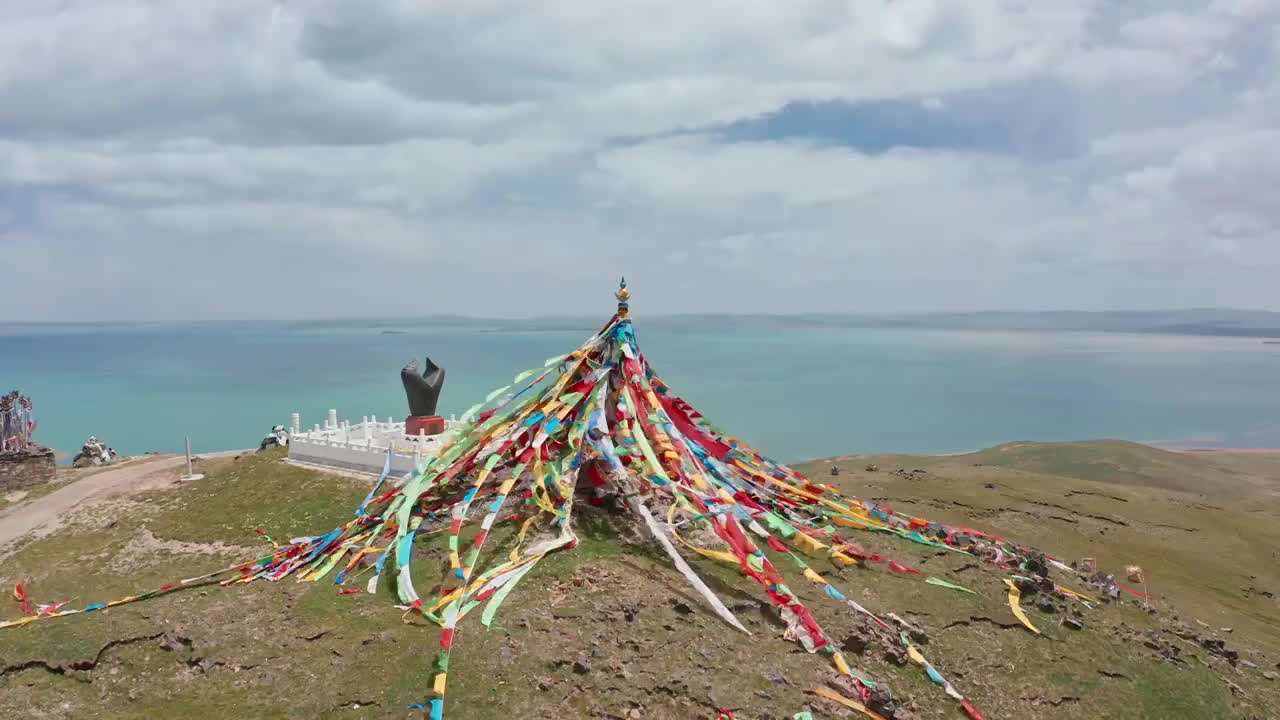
[(190, 475), (333, 419), (295, 424)]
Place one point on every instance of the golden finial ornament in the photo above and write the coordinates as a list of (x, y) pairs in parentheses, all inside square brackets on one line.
[(624, 297)]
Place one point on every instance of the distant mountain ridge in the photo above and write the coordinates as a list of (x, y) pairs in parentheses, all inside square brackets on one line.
[(1212, 322), (1237, 323), (1194, 321)]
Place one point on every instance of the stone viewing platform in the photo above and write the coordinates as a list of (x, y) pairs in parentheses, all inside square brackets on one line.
[(362, 447)]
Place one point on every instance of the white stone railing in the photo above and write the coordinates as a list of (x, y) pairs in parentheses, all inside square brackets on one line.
[(362, 447)]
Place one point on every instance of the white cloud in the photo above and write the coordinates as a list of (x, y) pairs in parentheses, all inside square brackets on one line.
[(1223, 184), (411, 173), (502, 157)]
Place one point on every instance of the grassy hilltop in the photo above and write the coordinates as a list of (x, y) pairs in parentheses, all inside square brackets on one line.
[(611, 631)]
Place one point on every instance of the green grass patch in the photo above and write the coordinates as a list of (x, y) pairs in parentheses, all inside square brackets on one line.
[(293, 650), (257, 491)]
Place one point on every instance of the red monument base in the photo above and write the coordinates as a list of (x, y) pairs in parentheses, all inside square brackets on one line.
[(428, 424)]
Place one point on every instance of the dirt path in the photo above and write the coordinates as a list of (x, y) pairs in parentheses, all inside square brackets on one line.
[(43, 515)]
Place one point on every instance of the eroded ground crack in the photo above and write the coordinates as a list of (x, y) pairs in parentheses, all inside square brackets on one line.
[(78, 665), (1064, 700), (1073, 511), (1094, 494), (983, 619)]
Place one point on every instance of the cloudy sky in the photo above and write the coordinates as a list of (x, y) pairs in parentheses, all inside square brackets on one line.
[(318, 158)]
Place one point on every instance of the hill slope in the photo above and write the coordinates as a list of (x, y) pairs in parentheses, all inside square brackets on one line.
[(1116, 462), (610, 630)]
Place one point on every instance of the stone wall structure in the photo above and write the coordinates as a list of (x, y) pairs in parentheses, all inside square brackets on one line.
[(26, 468)]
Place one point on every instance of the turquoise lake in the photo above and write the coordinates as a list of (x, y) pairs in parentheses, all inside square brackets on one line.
[(794, 390)]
